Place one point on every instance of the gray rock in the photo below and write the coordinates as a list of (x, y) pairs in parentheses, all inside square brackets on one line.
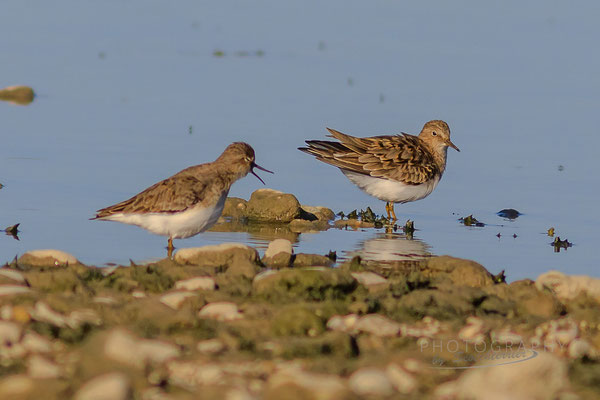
[(111, 386), (268, 205)]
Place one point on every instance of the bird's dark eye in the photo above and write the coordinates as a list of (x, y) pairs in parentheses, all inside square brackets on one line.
[(434, 134)]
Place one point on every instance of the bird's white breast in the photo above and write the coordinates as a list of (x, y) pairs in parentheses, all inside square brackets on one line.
[(388, 190), (177, 225)]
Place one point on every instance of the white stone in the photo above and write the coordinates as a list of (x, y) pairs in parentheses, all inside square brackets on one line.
[(579, 348), (15, 386), (221, 311), (59, 257), (567, 287), (192, 374), (211, 346), (369, 278), (34, 343), (39, 367), (107, 271), (370, 382), (321, 386), (138, 294), (104, 300), (378, 325), (12, 274), (402, 381), (10, 333), (188, 254), (85, 316), (506, 337), (174, 300), (111, 386), (239, 394), (278, 246), (264, 274), (122, 346), (345, 323), (6, 290), (43, 313), (541, 377), (197, 283)]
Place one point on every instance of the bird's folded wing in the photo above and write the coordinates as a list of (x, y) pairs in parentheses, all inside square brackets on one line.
[(171, 195), (401, 157)]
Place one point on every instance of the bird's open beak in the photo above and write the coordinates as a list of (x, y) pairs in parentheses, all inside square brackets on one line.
[(450, 144), (254, 165)]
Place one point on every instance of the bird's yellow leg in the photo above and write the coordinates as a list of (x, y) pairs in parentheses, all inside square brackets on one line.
[(391, 210), (387, 209), (170, 248)]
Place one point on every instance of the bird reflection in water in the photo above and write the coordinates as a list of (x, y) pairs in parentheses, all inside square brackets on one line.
[(392, 247)]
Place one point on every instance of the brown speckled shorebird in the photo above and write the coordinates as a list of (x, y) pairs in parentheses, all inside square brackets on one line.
[(189, 202), (396, 169)]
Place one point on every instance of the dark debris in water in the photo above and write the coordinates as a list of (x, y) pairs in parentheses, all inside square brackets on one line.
[(509, 213), (240, 53), (332, 255), (560, 244), (551, 231), (366, 216), (13, 231), (471, 221)]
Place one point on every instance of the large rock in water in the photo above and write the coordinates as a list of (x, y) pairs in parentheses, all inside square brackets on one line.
[(268, 205), (47, 258), (459, 271)]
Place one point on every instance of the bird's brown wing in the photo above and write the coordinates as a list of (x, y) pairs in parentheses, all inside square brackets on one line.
[(174, 194), (401, 158)]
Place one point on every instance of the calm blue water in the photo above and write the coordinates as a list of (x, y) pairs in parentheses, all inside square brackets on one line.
[(120, 83)]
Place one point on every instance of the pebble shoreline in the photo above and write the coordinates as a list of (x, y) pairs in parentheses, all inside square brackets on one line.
[(220, 322)]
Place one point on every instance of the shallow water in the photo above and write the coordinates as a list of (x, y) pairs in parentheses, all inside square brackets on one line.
[(130, 92)]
